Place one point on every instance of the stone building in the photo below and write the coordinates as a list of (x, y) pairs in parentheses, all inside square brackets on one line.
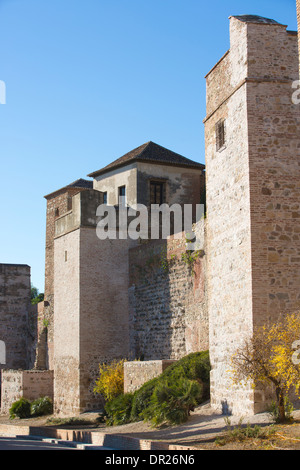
[(91, 276), (253, 194), (131, 298)]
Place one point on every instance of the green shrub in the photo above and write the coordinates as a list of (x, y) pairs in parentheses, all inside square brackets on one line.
[(168, 398), (195, 367), (42, 406), (118, 410), (172, 403), (20, 409), (141, 399)]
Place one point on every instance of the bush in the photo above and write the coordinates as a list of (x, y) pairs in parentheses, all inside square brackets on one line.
[(172, 403), (21, 409), (195, 367), (168, 398), (42, 406), (110, 383), (141, 399), (119, 409)]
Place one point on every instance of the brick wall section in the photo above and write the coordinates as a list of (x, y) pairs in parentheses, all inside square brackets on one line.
[(137, 373), (14, 314), (252, 197), (168, 314), (29, 384)]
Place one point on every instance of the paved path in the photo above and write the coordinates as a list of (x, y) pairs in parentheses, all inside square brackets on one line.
[(14, 443)]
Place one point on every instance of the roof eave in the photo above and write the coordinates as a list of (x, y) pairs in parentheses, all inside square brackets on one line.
[(198, 166)]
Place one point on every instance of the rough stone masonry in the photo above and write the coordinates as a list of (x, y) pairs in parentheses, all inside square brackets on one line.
[(253, 195)]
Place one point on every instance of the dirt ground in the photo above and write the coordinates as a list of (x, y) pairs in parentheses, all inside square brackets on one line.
[(204, 430)]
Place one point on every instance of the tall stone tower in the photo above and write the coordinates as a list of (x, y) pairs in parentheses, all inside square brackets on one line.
[(252, 132), (59, 203)]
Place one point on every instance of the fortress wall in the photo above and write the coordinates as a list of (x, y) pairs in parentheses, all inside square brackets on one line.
[(15, 306), (168, 315), (252, 198)]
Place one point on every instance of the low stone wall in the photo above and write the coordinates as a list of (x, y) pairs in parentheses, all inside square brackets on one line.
[(30, 384), (138, 372)]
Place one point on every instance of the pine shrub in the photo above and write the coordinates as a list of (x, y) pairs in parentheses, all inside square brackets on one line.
[(172, 403), (118, 410), (20, 409), (168, 398), (42, 406)]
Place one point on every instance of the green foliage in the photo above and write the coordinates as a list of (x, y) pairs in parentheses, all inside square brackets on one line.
[(23, 408), (141, 398), (20, 408), (36, 297), (42, 406), (172, 403), (168, 398), (119, 410), (190, 257)]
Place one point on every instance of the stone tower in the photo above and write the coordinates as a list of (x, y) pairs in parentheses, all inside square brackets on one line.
[(59, 203), (252, 132)]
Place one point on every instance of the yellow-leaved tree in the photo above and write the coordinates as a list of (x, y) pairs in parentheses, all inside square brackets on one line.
[(271, 356), (110, 383)]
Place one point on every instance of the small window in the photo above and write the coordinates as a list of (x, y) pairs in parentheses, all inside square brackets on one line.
[(122, 195), (105, 198), (56, 212), (220, 134), (156, 192), (66, 256)]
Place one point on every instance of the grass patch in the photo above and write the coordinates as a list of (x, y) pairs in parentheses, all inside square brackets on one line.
[(242, 433)]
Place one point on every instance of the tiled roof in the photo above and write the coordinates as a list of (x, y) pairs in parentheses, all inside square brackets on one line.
[(80, 183), (254, 19), (152, 153)]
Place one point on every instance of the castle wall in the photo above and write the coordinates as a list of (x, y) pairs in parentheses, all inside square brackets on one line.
[(229, 285), (58, 204), (15, 306), (91, 308), (253, 269), (168, 311), (274, 130), (104, 307), (66, 324), (29, 384)]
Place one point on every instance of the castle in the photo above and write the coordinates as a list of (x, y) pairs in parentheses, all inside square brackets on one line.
[(131, 298)]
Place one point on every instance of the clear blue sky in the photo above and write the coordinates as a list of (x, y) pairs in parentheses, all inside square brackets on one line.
[(87, 81)]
